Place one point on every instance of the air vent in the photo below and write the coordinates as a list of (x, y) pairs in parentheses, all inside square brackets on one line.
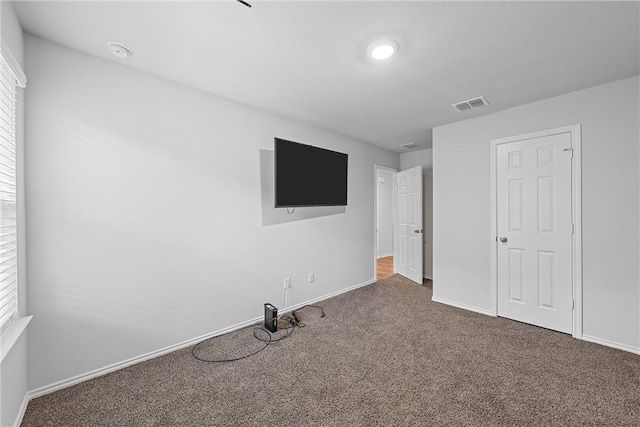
[(411, 145), (470, 104)]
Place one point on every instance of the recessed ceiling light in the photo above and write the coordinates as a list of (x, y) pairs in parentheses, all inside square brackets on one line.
[(382, 49), (119, 50)]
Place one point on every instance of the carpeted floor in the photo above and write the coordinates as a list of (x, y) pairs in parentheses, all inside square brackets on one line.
[(384, 355)]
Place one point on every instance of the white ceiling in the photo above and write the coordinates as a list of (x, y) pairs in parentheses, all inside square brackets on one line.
[(307, 60)]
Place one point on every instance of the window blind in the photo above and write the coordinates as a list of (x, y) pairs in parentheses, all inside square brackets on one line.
[(8, 176)]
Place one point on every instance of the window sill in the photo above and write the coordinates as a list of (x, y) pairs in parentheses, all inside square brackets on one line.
[(11, 335)]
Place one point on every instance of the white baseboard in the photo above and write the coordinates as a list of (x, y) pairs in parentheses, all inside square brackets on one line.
[(32, 394), (116, 366), (324, 297), (594, 340), (611, 344), (588, 338), (22, 410), (462, 306)]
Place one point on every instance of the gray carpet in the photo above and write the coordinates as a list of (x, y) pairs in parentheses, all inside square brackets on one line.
[(385, 355)]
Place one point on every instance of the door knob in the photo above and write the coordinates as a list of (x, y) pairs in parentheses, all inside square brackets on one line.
[(503, 239), (417, 231)]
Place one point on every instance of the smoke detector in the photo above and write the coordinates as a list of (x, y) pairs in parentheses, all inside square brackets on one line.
[(119, 50), (470, 104)]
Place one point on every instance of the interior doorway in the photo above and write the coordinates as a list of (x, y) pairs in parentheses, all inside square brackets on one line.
[(385, 267), (384, 221), (536, 218)]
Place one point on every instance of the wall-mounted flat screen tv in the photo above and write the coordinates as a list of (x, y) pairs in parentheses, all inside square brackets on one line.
[(309, 176)]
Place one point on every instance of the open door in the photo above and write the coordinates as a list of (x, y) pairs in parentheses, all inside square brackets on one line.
[(409, 246)]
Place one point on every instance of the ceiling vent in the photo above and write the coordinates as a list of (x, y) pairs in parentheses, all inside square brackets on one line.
[(470, 104), (411, 145)]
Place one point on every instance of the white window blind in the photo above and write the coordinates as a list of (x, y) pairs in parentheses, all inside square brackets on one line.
[(8, 219)]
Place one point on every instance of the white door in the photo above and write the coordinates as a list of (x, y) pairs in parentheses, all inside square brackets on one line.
[(408, 254), (534, 231)]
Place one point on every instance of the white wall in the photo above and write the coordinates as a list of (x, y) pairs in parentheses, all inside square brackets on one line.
[(609, 115), (13, 383), (384, 214), (415, 158), (144, 211), (13, 369), (424, 158)]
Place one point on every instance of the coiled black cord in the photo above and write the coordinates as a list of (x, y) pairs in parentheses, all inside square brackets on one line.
[(293, 322)]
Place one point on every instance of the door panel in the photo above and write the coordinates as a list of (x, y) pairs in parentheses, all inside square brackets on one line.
[(534, 231), (515, 205), (409, 224), (516, 279), (546, 282)]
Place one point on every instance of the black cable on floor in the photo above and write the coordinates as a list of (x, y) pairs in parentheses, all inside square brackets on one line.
[(293, 323)]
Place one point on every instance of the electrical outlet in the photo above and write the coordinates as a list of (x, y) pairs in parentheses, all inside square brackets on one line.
[(311, 277), (287, 282)]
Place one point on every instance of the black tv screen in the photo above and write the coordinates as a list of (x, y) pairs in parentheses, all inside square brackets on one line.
[(309, 176)]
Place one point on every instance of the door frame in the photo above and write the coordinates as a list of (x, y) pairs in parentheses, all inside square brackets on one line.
[(576, 217), (377, 168)]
